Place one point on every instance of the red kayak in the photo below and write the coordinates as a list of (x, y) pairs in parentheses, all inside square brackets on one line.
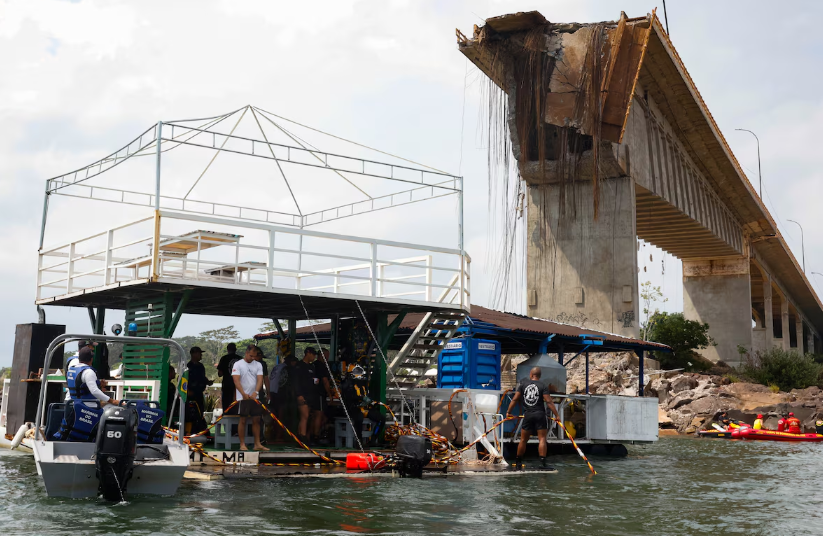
[(771, 435)]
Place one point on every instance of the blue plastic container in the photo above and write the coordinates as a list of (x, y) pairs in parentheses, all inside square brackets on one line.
[(469, 364)]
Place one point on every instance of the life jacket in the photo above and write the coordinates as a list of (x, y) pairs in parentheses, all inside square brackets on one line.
[(80, 421), (354, 392), (78, 390), (793, 425), (758, 424), (149, 421)]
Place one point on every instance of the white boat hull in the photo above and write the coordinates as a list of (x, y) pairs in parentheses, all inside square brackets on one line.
[(68, 469)]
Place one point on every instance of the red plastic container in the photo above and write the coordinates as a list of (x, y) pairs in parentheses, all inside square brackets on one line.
[(363, 461)]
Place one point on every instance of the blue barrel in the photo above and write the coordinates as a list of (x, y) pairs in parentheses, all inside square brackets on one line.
[(469, 364)]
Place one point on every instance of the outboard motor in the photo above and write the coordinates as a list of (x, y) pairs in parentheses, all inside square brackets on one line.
[(413, 453), (114, 452)]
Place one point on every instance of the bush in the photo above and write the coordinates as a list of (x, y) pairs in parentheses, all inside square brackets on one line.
[(684, 337), (786, 370)]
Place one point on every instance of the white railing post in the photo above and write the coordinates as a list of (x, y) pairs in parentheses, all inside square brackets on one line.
[(373, 269), (336, 286), (380, 271), (109, 244), (70, 270), (428, 278), (270, 283)]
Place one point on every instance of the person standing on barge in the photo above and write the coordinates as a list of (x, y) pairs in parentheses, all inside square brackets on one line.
[(535, 396)]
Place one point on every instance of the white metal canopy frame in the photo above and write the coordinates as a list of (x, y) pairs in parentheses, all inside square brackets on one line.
[(418, 182), (239, 246)]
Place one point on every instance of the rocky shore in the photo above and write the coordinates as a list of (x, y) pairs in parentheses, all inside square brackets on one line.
[(688, 401)]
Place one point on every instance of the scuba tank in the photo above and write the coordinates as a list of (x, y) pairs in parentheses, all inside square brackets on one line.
[(114, 450)]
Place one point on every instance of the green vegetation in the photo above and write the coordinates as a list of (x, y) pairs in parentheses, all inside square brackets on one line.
[(684, 337), (783, 369)]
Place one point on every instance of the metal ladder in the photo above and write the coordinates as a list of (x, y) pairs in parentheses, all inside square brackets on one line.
[(420, 352)]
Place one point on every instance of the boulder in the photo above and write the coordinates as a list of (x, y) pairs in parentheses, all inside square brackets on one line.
[(683, 383)]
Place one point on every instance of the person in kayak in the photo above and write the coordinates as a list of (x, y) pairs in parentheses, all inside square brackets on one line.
[(758, 423), (793, 425), (535, 396)]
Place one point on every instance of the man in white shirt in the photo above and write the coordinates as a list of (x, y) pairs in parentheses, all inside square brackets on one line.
[(248, 379)]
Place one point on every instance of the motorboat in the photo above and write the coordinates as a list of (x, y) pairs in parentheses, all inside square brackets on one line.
[(119, 454)]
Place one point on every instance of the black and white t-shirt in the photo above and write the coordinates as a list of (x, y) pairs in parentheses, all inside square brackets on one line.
[(532, 392)]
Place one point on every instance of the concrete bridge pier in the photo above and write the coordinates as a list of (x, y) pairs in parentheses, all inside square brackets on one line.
[(718, 292), (583, 271)]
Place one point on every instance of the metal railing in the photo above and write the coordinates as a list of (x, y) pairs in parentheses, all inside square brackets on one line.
[(257, 256)]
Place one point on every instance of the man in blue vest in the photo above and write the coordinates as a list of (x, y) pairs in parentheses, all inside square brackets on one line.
[(80, 421), (82, 380)]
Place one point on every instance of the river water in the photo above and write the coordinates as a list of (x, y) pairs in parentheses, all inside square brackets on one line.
[(677, 486)]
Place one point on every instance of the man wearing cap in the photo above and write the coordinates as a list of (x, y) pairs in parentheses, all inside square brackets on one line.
[(758, 423), (793, 425), (224, 366), (197, 387)]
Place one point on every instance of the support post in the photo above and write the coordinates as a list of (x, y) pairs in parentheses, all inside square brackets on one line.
[(155, 250), (45, 215), (157, 171), (560, 354), (178, 313), (292, 334), (97, 322), (640, 373), (587, 372), (334, 342)]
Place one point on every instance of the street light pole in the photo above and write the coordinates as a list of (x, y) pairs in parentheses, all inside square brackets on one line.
[(759, 176), (802, 244)]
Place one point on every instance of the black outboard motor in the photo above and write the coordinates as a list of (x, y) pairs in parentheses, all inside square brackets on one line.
[(114, 453), (413, 453)]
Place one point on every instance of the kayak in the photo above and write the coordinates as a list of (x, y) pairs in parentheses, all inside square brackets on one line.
[(714, 434), (771, 435)]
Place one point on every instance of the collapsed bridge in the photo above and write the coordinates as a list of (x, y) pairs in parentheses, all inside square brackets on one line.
[(613, 142)]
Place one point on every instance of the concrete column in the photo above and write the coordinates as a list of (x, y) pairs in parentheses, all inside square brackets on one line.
[(768, 313), (798, 326), (810, 341), (581, 271), (718, 292), (784, 315)]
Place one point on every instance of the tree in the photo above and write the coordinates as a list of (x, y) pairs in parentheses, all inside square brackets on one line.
[(214, 342), (786, 369), (683, 336), (649, 295)]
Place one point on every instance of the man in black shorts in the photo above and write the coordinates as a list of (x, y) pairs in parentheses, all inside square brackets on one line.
[(534, 394)]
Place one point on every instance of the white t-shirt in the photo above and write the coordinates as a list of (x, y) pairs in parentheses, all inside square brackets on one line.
[(248, 373)]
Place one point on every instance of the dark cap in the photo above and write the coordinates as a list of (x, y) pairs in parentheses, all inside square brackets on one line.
[(85, 354), (309, 350), (83, 344), (195, 349), (290, 358)]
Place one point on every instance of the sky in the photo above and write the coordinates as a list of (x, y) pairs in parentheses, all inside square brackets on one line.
[(83, 78)]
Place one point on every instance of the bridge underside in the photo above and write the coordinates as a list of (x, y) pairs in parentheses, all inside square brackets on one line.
[(667, 227)]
